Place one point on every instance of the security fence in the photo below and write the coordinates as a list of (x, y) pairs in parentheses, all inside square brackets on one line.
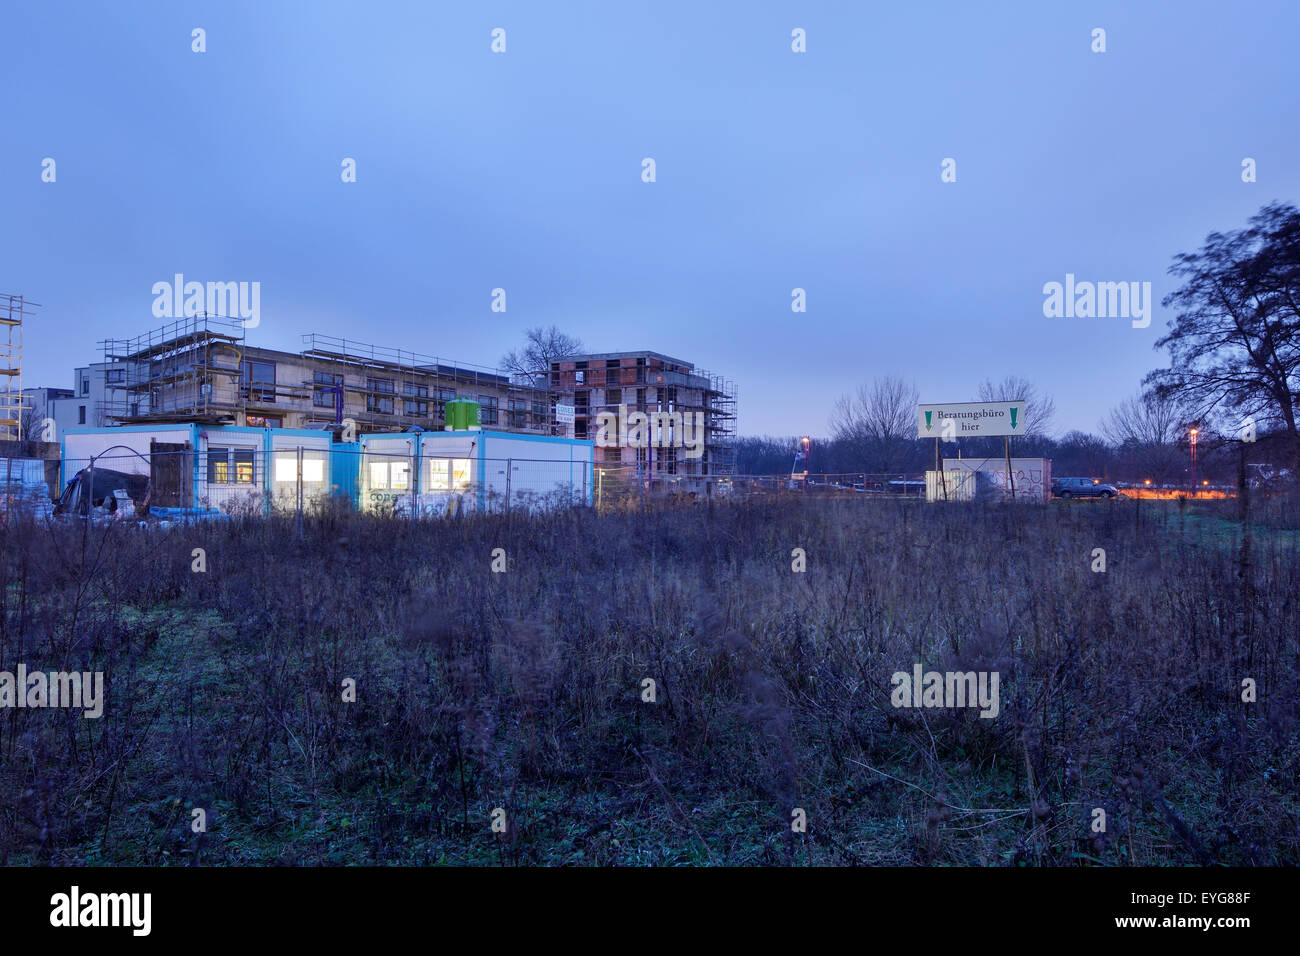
[(235, 480), (245, 480)]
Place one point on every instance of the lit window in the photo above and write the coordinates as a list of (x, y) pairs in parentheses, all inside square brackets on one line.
[(399, 475), (230, 466), (219, 465), (460, 473), (394, 475), (449, 475), (439, 475)]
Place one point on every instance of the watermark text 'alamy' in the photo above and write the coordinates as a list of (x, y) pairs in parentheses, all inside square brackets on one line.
[(657, 429), (227, 300), (1099, 300)]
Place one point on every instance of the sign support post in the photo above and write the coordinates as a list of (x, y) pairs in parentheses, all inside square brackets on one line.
[(1011, 478), (943, 480)]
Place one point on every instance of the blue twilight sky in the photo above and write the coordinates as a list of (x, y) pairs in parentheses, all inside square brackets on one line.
[(522, 170)]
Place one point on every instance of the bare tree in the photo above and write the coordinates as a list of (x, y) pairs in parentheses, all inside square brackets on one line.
[(1083, 454), (1148, 429), (878, 422), (1235, 344), (1040, 408), (532, 363), (33, 423)]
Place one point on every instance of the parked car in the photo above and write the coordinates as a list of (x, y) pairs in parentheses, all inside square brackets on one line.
[(79, 497), (1081, 488)]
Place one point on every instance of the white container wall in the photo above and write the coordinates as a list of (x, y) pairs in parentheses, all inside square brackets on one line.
[(534, 473), (446, 473), (952, 485), (124, 449), (386, 481), (449, 473), (300, 469), (165, 453), (231, 472)]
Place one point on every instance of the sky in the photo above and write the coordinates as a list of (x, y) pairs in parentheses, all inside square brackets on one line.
[(522, 170)]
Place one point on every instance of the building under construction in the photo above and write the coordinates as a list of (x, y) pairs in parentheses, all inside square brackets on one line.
[(654, 385), (200, 369)]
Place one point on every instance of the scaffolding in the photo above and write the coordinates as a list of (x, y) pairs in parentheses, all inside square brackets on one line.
[(189, 370), (718, 402), (415, 386), (13, 310), (720, 439)]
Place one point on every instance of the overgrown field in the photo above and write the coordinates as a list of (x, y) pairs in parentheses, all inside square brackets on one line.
[(524, 690)]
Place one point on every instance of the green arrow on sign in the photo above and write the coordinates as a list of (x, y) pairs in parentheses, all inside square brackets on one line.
[(1014, 411), (927, 420)]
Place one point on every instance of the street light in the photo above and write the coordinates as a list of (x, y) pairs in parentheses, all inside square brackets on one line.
[(1192, 434)]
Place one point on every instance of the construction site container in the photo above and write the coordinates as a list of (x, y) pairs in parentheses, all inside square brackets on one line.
[(224, 468), (449, 472)]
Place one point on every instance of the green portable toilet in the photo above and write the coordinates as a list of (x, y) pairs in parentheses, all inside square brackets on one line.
[(462, 415)]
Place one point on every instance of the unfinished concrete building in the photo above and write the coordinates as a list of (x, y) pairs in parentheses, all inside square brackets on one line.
[(651, 383), (200, 369)]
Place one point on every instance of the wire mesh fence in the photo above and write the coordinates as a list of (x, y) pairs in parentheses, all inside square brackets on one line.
[(302, 479), (235, 480)]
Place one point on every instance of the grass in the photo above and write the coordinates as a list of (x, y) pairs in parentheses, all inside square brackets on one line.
[(1120, 691)]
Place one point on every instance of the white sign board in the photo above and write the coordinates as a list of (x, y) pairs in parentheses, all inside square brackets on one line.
[(564, 414), (970, 420)]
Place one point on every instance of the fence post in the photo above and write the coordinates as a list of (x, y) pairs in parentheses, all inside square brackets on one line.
[(298, 498), (509, 469)]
